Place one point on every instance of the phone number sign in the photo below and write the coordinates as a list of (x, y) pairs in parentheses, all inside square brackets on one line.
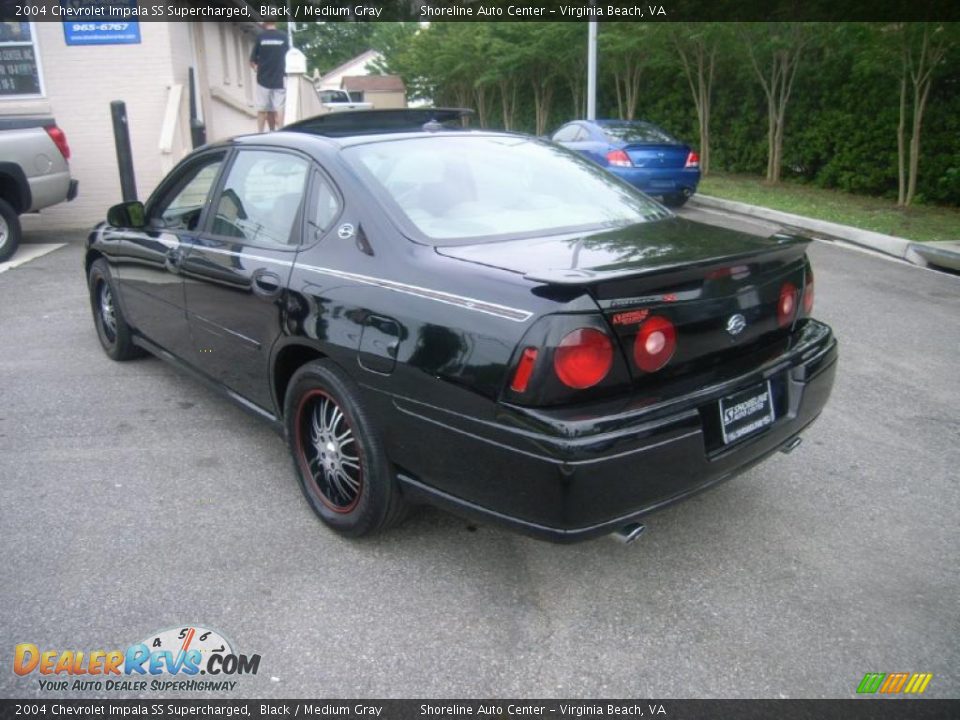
[(101, 30)]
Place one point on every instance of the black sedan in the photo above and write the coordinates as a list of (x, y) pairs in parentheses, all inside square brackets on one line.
[(484, 321)]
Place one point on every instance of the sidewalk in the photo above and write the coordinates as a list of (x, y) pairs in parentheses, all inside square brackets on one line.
[(923, 254)]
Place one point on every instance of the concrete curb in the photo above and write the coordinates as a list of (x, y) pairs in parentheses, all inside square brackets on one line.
[(888, 244)]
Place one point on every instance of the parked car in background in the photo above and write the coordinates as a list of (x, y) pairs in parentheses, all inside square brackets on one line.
[(646, 156), (34, 173), (479, 320), (339, 101)]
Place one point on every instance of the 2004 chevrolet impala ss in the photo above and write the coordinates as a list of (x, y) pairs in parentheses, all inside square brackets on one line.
[(481, 320)]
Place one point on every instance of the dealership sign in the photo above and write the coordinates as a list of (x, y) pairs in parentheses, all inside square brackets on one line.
[(101, 22)]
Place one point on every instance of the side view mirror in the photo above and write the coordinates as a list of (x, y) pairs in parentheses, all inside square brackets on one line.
[(128, 214)]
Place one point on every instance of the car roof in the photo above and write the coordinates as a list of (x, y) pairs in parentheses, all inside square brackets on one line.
[(299, 139), (372, 122)]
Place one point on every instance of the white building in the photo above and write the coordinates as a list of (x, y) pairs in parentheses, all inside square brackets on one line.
[(49, 70)]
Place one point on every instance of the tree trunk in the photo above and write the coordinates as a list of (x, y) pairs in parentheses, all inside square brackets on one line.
[(480, 100), (508, 102), (902, 142), (616, 84), (920, 104)]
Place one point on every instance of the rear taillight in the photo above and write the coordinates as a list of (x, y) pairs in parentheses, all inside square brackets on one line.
[(808, 293), (787, 304), (583, 358), (693, 160), (59, 139), (655, 344), (521, 378), (619, 158)]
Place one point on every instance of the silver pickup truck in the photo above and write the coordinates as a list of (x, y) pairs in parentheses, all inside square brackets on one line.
[(339, 101), (34, 173)]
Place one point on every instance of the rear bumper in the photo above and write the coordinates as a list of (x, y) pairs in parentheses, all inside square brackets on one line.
[(50, 189), (660, 181), (566, 477)]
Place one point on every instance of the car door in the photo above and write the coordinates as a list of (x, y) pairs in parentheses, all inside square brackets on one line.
[(147, 261), (236, 274)]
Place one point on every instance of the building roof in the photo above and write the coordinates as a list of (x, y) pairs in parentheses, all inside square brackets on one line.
[(359, 63), (373, 83)]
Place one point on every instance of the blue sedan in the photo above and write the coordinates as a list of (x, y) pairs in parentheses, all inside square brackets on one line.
[(644, 155)]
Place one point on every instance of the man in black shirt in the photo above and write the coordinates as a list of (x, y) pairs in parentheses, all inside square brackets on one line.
[(269, 60)]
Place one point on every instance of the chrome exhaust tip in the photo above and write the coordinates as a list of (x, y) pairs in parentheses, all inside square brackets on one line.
[(790, 445), (628, 533)]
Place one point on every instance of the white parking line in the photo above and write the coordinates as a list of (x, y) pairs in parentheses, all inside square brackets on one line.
[(26, 253)]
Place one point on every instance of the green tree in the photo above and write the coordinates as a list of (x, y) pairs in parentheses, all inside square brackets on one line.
[(923, 49), (775, 50), (697, 45)]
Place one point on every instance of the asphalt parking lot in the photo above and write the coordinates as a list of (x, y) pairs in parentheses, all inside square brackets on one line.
[(133, 499)]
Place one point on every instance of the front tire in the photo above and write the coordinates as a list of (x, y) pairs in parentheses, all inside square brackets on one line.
[(10, 231), (115, 335), (339, 457)]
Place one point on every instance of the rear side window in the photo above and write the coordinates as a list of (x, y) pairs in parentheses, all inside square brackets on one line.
[(567, 134), (639, 133), (261, 198)]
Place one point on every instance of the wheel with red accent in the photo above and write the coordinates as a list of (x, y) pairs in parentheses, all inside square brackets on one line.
[(112, 329), (339, 457)]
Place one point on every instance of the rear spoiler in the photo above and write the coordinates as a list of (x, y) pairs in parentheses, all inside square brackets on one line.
[(371, 122), (784, 245)]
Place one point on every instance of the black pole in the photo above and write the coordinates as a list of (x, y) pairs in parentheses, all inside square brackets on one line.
[(121, 137), (198, 130)]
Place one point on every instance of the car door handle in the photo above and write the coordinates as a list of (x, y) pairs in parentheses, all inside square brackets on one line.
[(266, 284), (173, 260)]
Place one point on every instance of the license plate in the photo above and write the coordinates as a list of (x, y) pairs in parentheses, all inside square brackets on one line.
[(745, 412)]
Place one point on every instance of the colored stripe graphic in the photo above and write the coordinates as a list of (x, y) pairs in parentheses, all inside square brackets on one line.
[(892, 683), (871, 682), (918, 683)]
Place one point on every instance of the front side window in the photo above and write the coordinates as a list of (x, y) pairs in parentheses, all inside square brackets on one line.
[(180, 208), (261, 198), (481, 186), (19, 66)]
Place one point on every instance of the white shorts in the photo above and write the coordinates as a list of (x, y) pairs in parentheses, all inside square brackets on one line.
[(270, 99)]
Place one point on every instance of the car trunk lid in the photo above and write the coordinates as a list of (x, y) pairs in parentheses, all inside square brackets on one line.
[(655, 156), (719, 288)]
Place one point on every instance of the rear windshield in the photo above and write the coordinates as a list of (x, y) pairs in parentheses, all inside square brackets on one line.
[(639, 132), (478, 187)]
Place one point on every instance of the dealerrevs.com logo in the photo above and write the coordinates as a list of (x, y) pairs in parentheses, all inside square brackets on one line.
[(169, 660)]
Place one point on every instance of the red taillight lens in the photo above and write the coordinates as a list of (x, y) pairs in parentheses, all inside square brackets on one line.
[(521, 378), (808, 293), (787, 304), (583, 358), (655, 344), (59, 139), (619, 158), (693, 160)]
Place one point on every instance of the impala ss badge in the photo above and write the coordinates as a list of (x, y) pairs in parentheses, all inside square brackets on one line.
[(736, 324), (345, 231)]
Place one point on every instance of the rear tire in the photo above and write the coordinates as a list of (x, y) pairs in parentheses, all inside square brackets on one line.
[(676, 200), (115, 335), (338, 454), (10, 231)]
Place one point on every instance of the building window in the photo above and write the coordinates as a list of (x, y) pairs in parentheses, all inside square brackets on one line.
[(19, 62)]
